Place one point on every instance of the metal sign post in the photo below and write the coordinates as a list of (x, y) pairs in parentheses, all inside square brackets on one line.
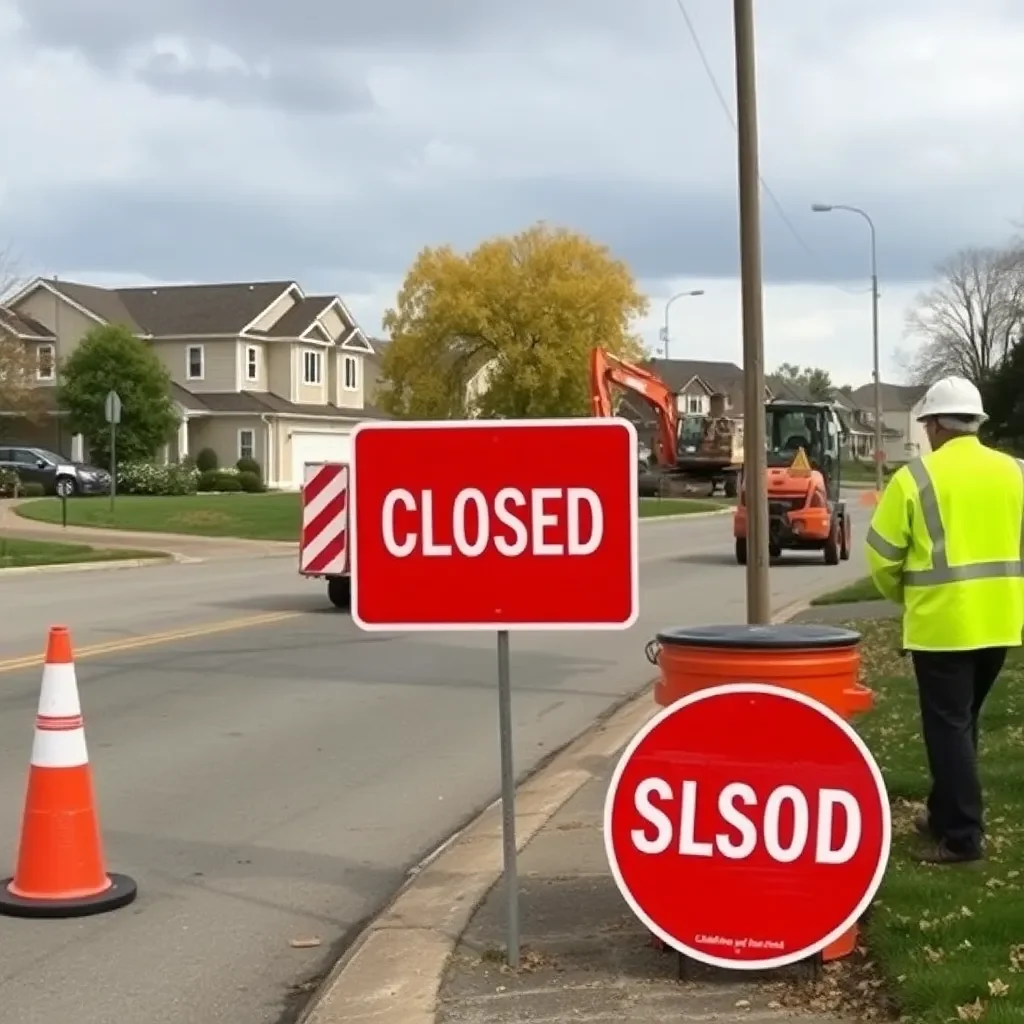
[(508, 799), (112, 412), (469, 519)]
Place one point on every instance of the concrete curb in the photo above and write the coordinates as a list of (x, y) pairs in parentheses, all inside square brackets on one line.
[(112, 563), (392, 973), (685, 515)]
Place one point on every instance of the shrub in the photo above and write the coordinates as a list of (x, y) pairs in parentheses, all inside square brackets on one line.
[(228, 482), (11, 486), (249, 466), (206, 460), (156, 479), (219, 480), (250, 482)]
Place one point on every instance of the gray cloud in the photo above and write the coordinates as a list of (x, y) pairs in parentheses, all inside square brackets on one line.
[(661, 234), (297, 87)]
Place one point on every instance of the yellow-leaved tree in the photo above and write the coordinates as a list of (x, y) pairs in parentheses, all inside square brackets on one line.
[(516, 318)]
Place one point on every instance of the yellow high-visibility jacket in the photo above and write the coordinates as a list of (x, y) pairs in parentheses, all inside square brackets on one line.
[(947, 542)]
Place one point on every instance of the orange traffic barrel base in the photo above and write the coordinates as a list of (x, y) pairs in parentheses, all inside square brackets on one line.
[(820, 661), (121, 891), (841, 947)]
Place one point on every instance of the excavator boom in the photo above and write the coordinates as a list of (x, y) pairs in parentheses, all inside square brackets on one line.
[(607, 371)]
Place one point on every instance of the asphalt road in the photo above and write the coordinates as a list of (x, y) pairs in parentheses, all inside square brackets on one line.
[(276, 780)]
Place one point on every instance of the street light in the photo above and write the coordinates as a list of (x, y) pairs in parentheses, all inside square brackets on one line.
[(828, 208), (668, 306)]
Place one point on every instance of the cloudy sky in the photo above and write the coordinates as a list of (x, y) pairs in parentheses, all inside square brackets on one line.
[(329, 140)]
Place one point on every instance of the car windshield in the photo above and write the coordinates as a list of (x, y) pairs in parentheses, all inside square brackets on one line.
[(49, 456)]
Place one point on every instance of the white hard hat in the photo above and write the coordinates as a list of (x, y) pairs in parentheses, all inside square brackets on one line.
[(952, 396)]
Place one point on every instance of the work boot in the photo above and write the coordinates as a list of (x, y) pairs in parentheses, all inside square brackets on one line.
[(941, 855)]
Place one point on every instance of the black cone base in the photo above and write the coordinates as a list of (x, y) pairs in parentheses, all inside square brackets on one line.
[(122, 891)]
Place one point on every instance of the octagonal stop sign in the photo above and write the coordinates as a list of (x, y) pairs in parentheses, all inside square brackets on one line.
[(747, 826)]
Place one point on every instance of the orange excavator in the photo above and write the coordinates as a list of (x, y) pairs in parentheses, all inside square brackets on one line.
[(698, 452)]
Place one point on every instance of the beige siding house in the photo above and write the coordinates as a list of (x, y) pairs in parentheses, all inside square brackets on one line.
[(258, 369)]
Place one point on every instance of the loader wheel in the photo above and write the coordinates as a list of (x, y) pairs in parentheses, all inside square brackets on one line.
[(844, 547), (732, 487), (741, 550), (339, 591), (832, 545)]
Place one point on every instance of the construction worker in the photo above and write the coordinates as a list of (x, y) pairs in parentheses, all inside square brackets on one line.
[(946, 543)]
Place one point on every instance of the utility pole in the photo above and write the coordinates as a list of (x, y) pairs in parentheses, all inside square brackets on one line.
[(755, 463)]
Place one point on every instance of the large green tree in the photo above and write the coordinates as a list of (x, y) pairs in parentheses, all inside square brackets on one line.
[(525, 310), (814, 380), (113, 359)]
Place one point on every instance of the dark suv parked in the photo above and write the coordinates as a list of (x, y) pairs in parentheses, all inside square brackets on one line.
[(57, 475)]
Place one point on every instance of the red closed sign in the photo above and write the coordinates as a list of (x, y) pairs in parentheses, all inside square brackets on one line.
[(747, 826), (494, 525)]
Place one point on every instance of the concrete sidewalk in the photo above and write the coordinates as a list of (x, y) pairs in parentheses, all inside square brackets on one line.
[(187, 546), (585, 956)]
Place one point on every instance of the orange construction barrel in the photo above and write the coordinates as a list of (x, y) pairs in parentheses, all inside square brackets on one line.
[(820, 661)]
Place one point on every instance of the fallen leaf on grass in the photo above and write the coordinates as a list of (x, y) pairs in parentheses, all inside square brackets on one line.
[(1017, 958), (304, 943), (971, 1011), (998, 988)]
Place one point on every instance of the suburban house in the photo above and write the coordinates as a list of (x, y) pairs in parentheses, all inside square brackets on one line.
[(259, 369), (903, 438)]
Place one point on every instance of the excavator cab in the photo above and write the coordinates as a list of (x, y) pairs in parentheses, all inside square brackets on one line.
[(805, 509)]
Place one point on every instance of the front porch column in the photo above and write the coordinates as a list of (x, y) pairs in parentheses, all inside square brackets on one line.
[(183, 437), (77, 448)]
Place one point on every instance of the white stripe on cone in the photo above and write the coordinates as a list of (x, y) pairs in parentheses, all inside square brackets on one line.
[(59, 740)]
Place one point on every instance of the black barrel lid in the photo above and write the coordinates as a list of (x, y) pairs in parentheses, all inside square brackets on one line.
[(786, 635)]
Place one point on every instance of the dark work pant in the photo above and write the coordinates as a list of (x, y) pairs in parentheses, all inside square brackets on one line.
[(952, 687)]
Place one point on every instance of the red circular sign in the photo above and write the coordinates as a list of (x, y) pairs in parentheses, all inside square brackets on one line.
[(747, 826)]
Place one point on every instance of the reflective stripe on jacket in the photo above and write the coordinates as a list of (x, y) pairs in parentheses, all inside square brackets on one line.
[(947, 542)]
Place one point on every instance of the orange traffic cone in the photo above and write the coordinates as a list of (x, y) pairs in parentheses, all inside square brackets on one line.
[(60, 870)]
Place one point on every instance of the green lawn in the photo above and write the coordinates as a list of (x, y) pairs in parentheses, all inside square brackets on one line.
[(949, 940), (251, 516), (861, 590), (652, 507), (16, 553)]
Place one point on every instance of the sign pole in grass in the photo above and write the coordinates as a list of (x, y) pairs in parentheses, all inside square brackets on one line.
[(112, 411)]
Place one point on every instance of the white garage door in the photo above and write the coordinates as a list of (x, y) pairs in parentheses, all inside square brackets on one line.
[(312, 447)]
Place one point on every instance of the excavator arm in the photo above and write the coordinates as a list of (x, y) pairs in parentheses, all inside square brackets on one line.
[(608, 371)]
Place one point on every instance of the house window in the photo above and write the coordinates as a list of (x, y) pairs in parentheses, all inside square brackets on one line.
[(694, 404), (194, 360), (312, 367), (246, 444), (45, 363), (252, 363), (351, 374)]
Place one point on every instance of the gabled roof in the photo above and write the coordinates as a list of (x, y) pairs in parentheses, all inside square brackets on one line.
[(895, 397), (22, 326), (194, 310), (724, 378), (299, 318)]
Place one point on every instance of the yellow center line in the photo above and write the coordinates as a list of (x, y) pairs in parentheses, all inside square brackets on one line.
[(134, 643)]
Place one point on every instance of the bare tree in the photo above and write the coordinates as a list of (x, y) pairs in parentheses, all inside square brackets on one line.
[(970, 320)]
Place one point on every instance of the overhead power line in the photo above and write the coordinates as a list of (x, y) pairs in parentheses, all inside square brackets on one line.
[(727, 110)]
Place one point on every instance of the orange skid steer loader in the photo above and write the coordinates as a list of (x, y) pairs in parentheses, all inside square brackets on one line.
[(805, 510)]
